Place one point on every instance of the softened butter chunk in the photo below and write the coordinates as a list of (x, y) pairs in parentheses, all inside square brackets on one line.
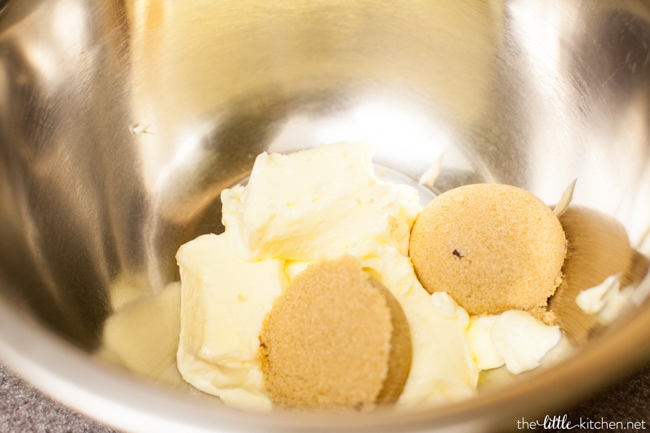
[(142, 335), (223, 304), (514, 338), (316, 203), (606, 301)]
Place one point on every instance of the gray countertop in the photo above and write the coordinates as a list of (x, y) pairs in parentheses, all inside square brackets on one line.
[(23, 409)]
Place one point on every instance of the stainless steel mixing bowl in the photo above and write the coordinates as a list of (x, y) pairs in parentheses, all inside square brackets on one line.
[(120, 123)]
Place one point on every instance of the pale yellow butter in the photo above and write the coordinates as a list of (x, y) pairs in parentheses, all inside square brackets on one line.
[(513, 338), (317, 203), (320, 204), (223, 303)]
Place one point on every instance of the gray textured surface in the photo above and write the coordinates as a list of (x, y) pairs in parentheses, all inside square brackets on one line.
[(24, 409)]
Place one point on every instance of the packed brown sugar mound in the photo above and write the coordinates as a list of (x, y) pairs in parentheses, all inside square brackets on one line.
[(335, 339), (598, 247), (492, 247)]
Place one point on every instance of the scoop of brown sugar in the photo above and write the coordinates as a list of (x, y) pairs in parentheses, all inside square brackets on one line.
[(598, 248), (335, 339), (492, 247)]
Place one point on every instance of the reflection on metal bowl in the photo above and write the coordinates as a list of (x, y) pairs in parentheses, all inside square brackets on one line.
[(120, 123)]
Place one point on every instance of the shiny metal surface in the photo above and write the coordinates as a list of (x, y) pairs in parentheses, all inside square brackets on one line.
[(120, 123)]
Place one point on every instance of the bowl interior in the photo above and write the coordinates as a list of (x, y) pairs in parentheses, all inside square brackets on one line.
[(121, 123)]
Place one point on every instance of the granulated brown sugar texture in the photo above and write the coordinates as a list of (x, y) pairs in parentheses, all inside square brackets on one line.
[(492, 247), (598, 247), (335, 339)]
